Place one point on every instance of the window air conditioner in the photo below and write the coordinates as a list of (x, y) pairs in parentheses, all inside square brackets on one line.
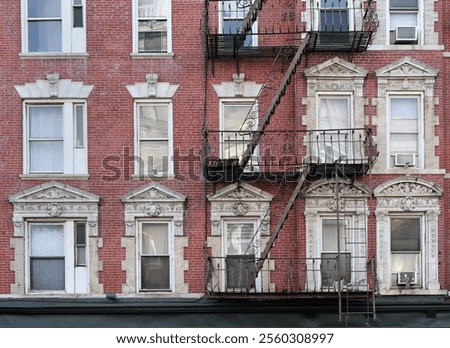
[(403, 159), (404, 278), (405, 34)]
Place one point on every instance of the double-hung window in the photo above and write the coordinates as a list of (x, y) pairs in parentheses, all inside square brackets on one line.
[(232, 16), (53, 26), (406, 254), (405, 131), (155, 256), (57, 257), (404, 21), (152, 26), (55, 141), (154, 139)]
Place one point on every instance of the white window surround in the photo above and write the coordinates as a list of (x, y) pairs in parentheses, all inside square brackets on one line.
[(320, 203), (49, 203), (67, 95), (407, 77), (233, 203), (73, 39), (409, 196), (154, 203), (151, 93), (135, 53)]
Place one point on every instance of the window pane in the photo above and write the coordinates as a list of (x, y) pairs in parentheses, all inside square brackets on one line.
[(403, 20), (45, 121), (79, 125), (405, 262), (240, 269), (152, 8), (44, 8), (405, 234), (153, 121), (404, 108), (47, 240), (235, 8), (46, 156), (155, 273), (154, 157), (335, 267), (330, 235), (80, 233), (155, 239), (334, 20), (333, 3), (406, 4), (404, 143), (47, 274), (78, 17), (44, 36), (235, 115), (334, 113), (240, 238)]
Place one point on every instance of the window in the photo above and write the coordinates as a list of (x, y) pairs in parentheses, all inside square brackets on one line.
[(239, 120), (57, 256), (335, 257), (54, 26), (241, 246), (334, 15), (335, 120), (152, 26), (55, 141), (404, 21), (154, 138), (405, 131), (406, 258), (155, 256), (232, 16)]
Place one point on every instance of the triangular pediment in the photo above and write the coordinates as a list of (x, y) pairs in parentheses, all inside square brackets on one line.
[(153, 192), (240, 191), (335, 68), (408, 186), (407, 67), (54, 192)]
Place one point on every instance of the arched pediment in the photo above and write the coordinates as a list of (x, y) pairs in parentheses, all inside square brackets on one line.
[(240, 191), (327, 188), (408, 186)]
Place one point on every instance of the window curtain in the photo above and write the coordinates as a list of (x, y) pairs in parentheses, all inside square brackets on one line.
[(44, 26)]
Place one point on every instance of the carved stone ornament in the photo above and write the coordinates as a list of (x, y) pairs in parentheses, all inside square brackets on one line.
[(152, 80), (408, 203), (408, 186), (53, 80), (238, 80), (240, 209), (153, 209), (151, 88), (54, 209)]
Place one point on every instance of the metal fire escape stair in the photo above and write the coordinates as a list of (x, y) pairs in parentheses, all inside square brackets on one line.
[(274, 102), (252, 16), (273, 236)]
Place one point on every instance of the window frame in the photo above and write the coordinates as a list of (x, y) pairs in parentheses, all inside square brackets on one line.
[(140, 255), (137, 143), (405, 10), (74, 157), (135, 29), (76, 277), (73, 39), (420, 156)]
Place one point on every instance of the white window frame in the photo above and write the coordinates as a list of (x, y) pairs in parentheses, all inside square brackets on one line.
[(76, 276), (73, 39), (74, 155), (253, 124), (422, 251), (420, 160), (420, 22), (138, 162), (170, 255), (240, 16), (135, 28), (257, 251)]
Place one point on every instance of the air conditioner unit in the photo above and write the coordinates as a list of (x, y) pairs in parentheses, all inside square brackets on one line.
[(405, 159), (405, 34), (406, 278)]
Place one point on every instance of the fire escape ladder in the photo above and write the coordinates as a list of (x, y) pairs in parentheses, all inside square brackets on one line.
[(274, 102), (270, 243), (251, 17)]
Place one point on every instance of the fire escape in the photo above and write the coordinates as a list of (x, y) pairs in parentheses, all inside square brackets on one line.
[(304, 27)]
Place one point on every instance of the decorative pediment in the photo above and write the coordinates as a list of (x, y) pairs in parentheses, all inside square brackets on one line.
[(238, 88), (328, 189), (240, 191), (406, 67), (53, 87), (51, 200), (152, 88), (336, 68), (408, 186), (154, 201)]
